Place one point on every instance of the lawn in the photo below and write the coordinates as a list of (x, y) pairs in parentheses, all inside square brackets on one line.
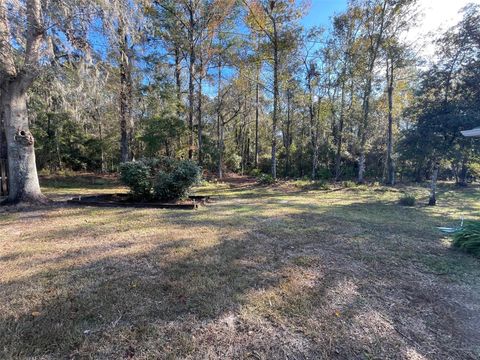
[(282, 272)]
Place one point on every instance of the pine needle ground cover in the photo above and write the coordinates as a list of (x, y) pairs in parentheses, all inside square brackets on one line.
[(265, 272)]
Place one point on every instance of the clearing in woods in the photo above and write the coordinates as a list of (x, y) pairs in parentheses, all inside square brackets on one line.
[(284, 272)]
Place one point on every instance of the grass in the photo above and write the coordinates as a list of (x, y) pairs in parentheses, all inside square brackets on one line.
[(286, 271)]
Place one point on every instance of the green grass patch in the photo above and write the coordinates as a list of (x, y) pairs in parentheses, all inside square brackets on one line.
[(272, 271)]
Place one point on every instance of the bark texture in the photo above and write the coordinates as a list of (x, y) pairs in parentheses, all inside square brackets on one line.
[(15, 79), (338, 155), (275, 99), (433, 186), (313, 124), (126, 87), (191, 85), (257, 107), (23, 179), (390, 161)]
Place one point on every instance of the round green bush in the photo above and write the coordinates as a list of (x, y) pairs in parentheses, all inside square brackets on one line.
[(407, 200), (175, 184), (136, 175), (349, 184), (255, 172), (265, 179), (159, 179)]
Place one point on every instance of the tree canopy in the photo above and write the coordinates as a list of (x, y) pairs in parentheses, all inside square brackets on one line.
[(236, 86)]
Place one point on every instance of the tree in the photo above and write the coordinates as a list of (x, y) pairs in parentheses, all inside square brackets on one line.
[(446, 103), (198, 22), (122, 23), (70, 111), (311, 82), (262, 93), (374, 16), (22, 59), (275, 20), (345, 33), (397, 56), (15, 78)]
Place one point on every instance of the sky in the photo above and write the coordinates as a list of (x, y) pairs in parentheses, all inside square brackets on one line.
[(321, 11), (435, 15)]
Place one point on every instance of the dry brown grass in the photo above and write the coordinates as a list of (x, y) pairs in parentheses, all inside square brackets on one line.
[(263, 273)]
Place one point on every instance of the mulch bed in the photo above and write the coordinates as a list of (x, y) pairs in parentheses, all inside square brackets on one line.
[(124, 200)]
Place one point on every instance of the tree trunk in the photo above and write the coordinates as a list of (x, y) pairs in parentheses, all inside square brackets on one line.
[(390, 162), (219, 123), (433, 186), (303, 135), (338, 155), (23, 179), (247, 152), (288, 140), (49, 144), (178, 79), (418, 172), (361, 167), (275, 102), (315, 156), (103, 165), (3, 156), (375, 42), (57, 150), (191, 85), (131, 139), (125, 95), (3, 177), (220, 148), (256, 117), (313, 126), (178, 82), (313, 142), (462, 178), (363, 131), (167, 148), (200, 115), (242, 149)]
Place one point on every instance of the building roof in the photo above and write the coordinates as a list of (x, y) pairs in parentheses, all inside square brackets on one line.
[(471, 133)]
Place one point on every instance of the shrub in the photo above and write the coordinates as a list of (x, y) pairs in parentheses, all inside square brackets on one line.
[(323, 174), (319, 185), (159, 179), (468, 238), (175, 184), (255, 172), (136, 175), (265, 163), (349, 184), (407, 200), (233, 161), (265, 179)]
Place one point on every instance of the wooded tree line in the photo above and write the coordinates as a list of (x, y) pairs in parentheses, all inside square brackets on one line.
[(236, 85)]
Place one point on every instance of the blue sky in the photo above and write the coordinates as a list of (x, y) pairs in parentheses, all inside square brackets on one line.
[(321, 11)]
